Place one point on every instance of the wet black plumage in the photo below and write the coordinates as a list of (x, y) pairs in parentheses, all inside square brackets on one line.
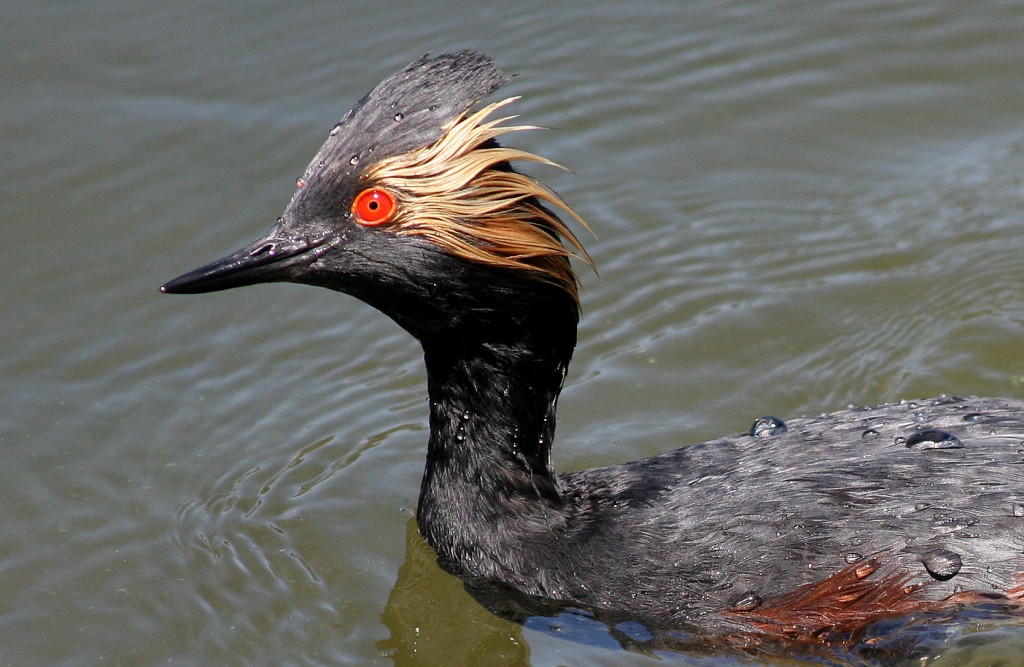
[(803, 530)]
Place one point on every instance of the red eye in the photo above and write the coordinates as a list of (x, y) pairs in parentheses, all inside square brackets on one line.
[(374, 207)]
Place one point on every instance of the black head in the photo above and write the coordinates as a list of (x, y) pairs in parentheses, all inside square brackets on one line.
[(411, 206)]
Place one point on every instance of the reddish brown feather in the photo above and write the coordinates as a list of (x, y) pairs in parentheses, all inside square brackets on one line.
[(847, 602)]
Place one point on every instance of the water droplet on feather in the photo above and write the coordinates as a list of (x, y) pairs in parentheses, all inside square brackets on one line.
[(768, 426), (934, 439), (942, 564), (747, 601)]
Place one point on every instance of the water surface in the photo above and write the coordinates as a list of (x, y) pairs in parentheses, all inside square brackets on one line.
[(797, 206)]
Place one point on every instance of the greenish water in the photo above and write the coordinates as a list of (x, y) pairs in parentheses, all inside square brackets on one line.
[(797, 206)]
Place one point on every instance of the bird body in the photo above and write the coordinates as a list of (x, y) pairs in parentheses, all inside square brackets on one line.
[(803, 530)]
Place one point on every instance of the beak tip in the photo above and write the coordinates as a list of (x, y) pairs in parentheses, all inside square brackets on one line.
[(195, 282), (172, 286)]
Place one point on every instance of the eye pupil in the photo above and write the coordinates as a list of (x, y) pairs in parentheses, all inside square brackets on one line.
[(374, 206)]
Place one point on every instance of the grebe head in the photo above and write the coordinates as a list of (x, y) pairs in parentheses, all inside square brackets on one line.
[(412, 206)]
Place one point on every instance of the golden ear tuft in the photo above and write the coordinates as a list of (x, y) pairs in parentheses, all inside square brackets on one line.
[(460, 194)]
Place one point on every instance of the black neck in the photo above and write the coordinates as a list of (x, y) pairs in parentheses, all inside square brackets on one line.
[(488, 477)]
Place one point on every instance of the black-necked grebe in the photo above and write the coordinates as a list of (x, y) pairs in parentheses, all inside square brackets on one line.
[(803, 530)]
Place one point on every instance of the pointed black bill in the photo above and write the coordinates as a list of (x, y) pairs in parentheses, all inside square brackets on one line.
[(269, 259)]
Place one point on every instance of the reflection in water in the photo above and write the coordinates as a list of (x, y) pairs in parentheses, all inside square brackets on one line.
[(432, 621)]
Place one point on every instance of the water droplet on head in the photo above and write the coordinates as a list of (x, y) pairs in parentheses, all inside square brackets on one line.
[(1017, 509), (747, 601), (869, 434), (768, 426), (853, 557), (399, 116), (299, 182), (918, 507), (934, 439), (335, 129), (862, 571), (354, 159), (973, 417), (942, 564)]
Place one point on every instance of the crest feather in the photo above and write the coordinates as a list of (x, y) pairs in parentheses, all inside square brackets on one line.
[(459, 194)]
